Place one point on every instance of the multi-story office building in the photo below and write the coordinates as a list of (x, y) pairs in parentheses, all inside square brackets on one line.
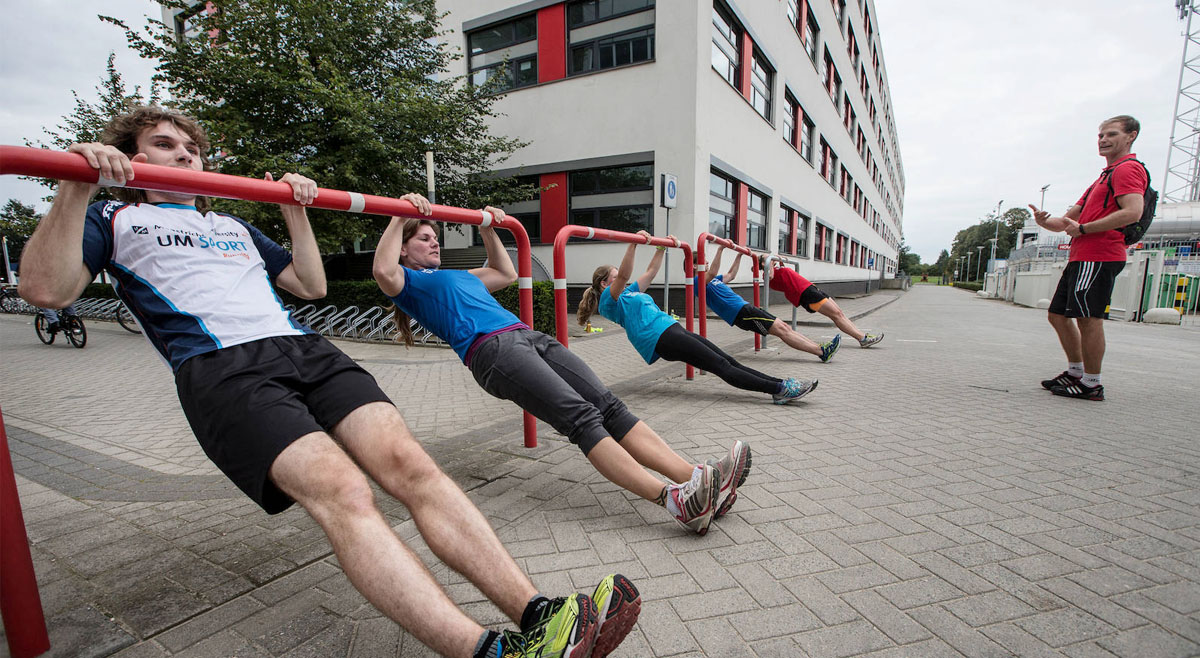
[(775, 115)]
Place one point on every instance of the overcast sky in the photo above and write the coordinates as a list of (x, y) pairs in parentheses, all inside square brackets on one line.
[(992, 100)]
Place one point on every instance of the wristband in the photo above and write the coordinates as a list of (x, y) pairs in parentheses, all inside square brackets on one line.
[(1081, 231), (661, 248)]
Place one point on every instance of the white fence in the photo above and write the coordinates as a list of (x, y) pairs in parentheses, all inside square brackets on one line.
[(1152, 278)]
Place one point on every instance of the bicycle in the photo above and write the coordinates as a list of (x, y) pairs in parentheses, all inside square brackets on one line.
[(70, 325), (126, 320), (10, 302)]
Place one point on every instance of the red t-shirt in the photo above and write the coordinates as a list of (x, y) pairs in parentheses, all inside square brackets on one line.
[(1128, 177), (791, 284)]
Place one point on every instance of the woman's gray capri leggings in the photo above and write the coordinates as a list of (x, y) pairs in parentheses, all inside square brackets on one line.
[(549, 381)]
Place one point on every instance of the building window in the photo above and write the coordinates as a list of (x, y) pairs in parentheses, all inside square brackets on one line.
[(761, 79), (811, 32), (822, 249), (808, 131), (756, 220), (722, 206), (628, 219), (604, 34), (586, 12), (802, 222), (505, 51), (839, 10), (614, 198), (833, 81), (786, 219), (726, 49), (791, 110), (613, 179)]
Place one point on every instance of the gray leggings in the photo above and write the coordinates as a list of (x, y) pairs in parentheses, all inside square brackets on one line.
[(552, 383)]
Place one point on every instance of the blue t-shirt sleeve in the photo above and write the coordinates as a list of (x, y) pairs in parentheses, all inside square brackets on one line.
[(275, 257), (98, 236)]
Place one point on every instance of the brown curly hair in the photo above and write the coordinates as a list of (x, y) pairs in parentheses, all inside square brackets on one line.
[(123, 131)]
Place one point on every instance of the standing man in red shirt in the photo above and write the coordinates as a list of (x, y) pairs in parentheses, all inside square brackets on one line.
[(1080, 303)]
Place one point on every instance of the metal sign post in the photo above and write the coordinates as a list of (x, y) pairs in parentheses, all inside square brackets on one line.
[(668, 193)]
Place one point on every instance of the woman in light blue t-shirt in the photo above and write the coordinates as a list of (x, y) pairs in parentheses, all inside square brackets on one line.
[(513, 362), (655, 334)]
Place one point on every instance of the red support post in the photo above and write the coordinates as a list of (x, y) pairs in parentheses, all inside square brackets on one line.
[(560, 272), (702, 267), (20, 604), (42, 163)]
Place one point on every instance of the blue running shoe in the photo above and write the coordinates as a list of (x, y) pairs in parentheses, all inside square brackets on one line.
[(830, 348)]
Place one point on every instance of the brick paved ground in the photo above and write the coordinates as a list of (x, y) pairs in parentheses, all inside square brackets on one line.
[(929, 499)]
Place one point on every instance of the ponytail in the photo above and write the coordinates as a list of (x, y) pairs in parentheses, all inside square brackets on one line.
[(591, 296), (403, 326)]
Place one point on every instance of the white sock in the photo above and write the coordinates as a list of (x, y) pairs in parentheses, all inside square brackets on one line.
[(1075, 369), (1091, 381)]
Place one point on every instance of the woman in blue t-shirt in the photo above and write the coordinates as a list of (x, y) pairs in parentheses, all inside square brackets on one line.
[(513, 362), (655, 334)]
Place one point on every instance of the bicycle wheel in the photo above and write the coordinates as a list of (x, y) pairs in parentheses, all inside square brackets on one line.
[(43, 332), (74, 330), (125, 319)]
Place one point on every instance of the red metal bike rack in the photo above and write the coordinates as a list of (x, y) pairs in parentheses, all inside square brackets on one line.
[(24, 161), (560, 271), (702, 268)]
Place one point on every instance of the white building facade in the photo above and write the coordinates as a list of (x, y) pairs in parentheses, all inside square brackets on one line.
[(774, 115)]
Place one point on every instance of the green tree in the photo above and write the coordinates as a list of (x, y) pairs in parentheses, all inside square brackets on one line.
[(349, 92), (967, 240), (17, 222), (86, 122), (909, 261)]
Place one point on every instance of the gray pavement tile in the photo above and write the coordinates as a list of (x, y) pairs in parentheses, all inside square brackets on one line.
[(850, 639), (85, 632), (931, 521), (898, 626)]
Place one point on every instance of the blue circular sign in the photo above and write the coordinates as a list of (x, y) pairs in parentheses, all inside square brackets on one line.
[(671, 189)]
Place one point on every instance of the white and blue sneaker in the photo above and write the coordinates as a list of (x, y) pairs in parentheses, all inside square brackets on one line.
[(794, 389)]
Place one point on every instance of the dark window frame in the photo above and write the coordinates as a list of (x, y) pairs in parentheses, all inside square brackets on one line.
[(733, 39), (650, 4), (731, 219), (597, 44)]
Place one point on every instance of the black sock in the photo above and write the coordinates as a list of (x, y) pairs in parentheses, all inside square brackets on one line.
[(533, 611), (487, 642)]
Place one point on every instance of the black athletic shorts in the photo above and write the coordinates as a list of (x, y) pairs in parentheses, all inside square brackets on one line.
[(248, 402), (753, 318), (1085, 289), (811, 298)]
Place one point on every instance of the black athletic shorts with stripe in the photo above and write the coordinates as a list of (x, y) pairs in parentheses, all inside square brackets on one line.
[(1085, 289), (753, 318)]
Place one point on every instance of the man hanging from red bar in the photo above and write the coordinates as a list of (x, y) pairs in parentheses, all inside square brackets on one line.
[(282, 412)]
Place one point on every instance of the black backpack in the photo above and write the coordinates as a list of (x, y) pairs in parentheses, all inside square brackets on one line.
[(1132, 232)]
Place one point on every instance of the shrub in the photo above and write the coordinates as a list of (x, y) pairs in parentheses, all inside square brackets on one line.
[(969, 285), (365, 294)]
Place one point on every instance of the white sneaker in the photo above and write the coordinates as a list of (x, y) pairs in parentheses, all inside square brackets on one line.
[(732, 469)]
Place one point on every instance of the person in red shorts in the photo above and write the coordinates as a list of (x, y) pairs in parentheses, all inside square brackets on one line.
[(802, 293), (1080, 303)]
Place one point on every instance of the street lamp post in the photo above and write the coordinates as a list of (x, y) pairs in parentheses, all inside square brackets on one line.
[(979, 260), (1044, 188), (995, 238), (967, 272)]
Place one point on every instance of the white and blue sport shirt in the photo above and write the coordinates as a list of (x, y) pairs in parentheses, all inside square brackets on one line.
[(196, 283)]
